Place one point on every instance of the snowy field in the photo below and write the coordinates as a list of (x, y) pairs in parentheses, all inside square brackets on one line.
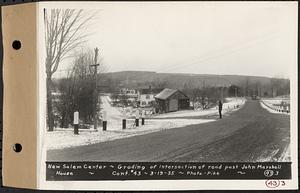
[(64, 138)]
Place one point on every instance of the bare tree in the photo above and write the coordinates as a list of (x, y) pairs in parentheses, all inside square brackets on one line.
[(63, 28), (279, 86), (77, 91)]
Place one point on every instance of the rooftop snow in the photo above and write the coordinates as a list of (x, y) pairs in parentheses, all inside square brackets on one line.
[(166, 93)]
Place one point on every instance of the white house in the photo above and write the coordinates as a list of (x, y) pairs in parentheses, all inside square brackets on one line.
[(146, 99), (130, 93), (146, 96)]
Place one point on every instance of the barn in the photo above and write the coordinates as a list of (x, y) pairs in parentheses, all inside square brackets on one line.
[(170, 100)]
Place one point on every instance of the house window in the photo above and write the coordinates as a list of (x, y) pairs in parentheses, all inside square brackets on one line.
[(144, 103), (147, 96)]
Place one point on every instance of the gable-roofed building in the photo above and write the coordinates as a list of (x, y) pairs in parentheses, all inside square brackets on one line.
[(170, 100), (146, 97)]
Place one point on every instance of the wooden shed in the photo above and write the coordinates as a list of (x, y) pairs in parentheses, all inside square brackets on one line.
[(170, 100)]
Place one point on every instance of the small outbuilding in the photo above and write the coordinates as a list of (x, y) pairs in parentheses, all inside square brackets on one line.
[(170, 100)]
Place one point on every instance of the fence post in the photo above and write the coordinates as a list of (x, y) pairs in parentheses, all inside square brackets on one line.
[(76, 122), (104, 122), (143, 117), (137, 116), (124, 120)]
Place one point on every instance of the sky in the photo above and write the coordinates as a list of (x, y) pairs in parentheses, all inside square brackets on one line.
[(236, 38)]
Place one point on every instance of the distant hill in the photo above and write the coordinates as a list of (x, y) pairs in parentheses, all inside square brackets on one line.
[(142, 79)]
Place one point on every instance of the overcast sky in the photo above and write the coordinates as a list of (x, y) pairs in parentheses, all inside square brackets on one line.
[(203, 38)]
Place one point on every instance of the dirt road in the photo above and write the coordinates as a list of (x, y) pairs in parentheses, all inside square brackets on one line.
[(249, 134), (114, 116)]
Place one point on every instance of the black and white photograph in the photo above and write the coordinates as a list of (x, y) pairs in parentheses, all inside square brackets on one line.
[(170, 82)]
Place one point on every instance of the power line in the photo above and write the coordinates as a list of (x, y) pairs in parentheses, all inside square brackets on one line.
[(212, 54)]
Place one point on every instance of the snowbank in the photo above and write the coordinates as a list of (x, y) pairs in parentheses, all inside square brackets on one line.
[(64, 138), (286, 154), (270, 155), (274, 105)]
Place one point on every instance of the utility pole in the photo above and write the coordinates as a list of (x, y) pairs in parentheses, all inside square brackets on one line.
[(222, 93), (235, 89), (95, 65)]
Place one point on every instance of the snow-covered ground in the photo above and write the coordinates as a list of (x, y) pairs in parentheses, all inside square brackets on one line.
[(277, 100), (286, 155), (274, 105), (229, 106), (270, 155), (114, 115), (63, 138)]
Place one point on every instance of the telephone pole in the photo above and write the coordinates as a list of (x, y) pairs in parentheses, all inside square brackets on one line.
[(222, 93), (95, 65)]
